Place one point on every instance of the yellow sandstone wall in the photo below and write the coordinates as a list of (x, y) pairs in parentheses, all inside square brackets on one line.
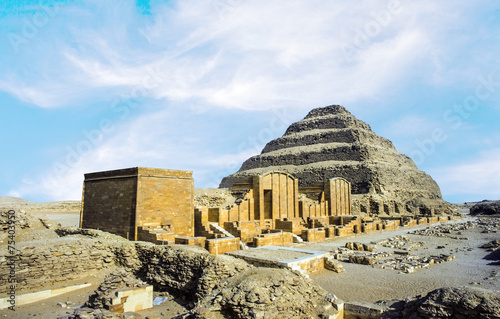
[(165, 197), (119, 201)]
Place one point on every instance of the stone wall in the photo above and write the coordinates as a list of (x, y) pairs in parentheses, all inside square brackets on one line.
[(188, 270), (275, 239), (222, 245), (120, 201), (165, 197), (314, 234), (41, 265), (109, 202)]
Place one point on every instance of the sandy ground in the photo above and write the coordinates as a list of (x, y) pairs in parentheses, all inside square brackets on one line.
[(65, 219), (366, 283)]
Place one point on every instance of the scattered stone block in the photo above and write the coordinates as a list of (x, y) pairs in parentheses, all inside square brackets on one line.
[(132, 300)]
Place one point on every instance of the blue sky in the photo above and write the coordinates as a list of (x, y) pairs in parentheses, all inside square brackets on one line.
[(202, 85)]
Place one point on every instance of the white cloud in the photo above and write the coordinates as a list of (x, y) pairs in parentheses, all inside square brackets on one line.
[(478, 176), (152, 140), (257, 54)]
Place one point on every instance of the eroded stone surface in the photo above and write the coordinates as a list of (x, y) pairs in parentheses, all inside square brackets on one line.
[(330, 142)]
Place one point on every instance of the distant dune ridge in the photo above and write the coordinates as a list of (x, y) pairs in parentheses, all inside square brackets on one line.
[(330, 142), (15, 203)]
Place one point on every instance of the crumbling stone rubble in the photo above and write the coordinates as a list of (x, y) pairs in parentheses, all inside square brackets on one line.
[(447, 230), (453, 230), (115, 281), (358, 246), (410, 264), (333, 264), (492, 245), (486, 208), (455, 303), (399, 260), (267, 293), (400, 242)]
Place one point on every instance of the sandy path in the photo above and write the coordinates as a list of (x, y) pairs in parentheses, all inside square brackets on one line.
[(65, 219), (365, 283)]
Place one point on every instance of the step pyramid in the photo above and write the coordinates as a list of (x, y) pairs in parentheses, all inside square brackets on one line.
[(330, 142)]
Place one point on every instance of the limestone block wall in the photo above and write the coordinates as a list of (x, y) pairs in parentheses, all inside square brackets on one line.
[(222, 245), (330, 231), (109, 202), (344, 231), (422, 221), (132, 300), (275, 239), (120, 201), (338, 194), (291, 225), (245, 230), (191, 241), (432, 220), (316, 210), (314, 234), (42, 265), (165, 197)]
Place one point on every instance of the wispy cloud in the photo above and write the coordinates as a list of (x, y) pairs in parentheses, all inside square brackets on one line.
[(477, 177), (259, 52)]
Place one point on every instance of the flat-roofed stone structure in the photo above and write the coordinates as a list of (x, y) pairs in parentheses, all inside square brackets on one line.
[(137, 202)]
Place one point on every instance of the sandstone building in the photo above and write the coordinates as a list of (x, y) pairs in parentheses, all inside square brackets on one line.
[(157, 205), (130, 202)]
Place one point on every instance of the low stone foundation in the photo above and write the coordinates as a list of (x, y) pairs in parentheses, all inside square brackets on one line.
[(273, 239), (191, 241), (284, 257), (314, 234), (222, 245)]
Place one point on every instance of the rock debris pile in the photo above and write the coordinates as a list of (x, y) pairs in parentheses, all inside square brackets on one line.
[(399, 259), (118, 279), (486, 207), (400, 242), (454, 230), (492, 245), (448, 303), (267, 293), (410, 264)]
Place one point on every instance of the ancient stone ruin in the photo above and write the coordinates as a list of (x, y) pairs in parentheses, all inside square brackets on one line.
[(329, 175), (330, 142), (156, 205)]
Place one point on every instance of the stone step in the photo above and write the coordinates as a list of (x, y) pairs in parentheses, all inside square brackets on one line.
[(320, 136), (221, 230), (297, 239)]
